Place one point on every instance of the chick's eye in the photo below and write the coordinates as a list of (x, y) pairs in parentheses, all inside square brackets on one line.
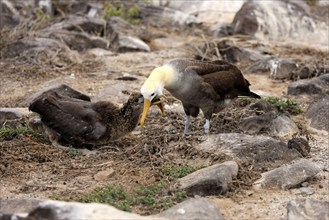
[(152, 94)]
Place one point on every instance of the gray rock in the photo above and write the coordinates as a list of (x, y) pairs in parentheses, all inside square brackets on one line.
[(318, 113), (305, 209), (200, 208), (72, 210), (304, 191), (269, 123), (34, 48), (210, 12), (275, 21), (129, 43), (79, 41), (235, 54), (123, 36), (309, 86), (116, 25), (261, 151), (163, 16), (301, 145), (282, 126), (262, 106), (278, 68), (257, 123), (288, 176), (77, 7), (282, 68), (213, 180), (12, 117), (79, 24), (193, 209), (9, 16)]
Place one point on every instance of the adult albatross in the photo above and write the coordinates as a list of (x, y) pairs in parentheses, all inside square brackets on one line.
[(204, 85)]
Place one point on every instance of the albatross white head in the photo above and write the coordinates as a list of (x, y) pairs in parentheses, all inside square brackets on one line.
[(152, 89)]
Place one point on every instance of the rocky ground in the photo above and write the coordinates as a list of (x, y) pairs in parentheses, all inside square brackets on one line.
[(32, 168)]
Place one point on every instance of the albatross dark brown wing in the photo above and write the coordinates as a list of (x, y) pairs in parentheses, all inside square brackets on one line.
[(225, 78), (74, 119)]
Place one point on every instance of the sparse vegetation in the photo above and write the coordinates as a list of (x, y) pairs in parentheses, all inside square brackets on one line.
[(131, 14), (311, 2), (42, 16), (151, 198), (10, 133), (285, 105), (177, 172), (74, 152)]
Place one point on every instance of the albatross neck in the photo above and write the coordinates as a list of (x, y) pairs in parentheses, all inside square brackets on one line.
[(164, 74)]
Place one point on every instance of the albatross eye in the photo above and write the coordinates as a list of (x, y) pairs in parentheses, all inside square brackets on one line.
[(153, 94)]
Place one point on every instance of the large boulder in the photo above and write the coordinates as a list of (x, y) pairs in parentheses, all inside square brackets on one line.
[(305, 209), (309, 86), (318, 113), (209, 12), (49, 209), (277, 20), (262, 151), (270, 123), (193, 209), (164, 16), (288, 176), (213, 180)]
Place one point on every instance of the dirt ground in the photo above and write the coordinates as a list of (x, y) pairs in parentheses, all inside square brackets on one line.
[(31, 169)]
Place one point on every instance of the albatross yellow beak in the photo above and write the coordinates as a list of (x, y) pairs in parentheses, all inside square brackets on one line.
[(147, 104)]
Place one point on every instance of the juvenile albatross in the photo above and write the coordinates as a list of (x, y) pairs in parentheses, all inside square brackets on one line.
[(204, 85), (72, 121)]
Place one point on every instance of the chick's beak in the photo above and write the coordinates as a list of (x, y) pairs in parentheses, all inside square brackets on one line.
[(147, 105), (160, 103)]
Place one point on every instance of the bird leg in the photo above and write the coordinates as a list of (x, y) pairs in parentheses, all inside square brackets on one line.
[(207, 126), (187, 124)]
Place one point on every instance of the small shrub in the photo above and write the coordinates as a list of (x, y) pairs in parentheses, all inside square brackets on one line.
[(154, 197), (11, 133), (177, 172), (42, 17), (285, 105), (131, 15), (74, 152), (110, 194)]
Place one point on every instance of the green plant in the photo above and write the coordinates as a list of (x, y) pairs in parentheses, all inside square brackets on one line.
[(74, 152), (177, 172), (42, 17), (11, 133), (311, 2), (110, 194), (153, 197), (131, 15), (284, 105)]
